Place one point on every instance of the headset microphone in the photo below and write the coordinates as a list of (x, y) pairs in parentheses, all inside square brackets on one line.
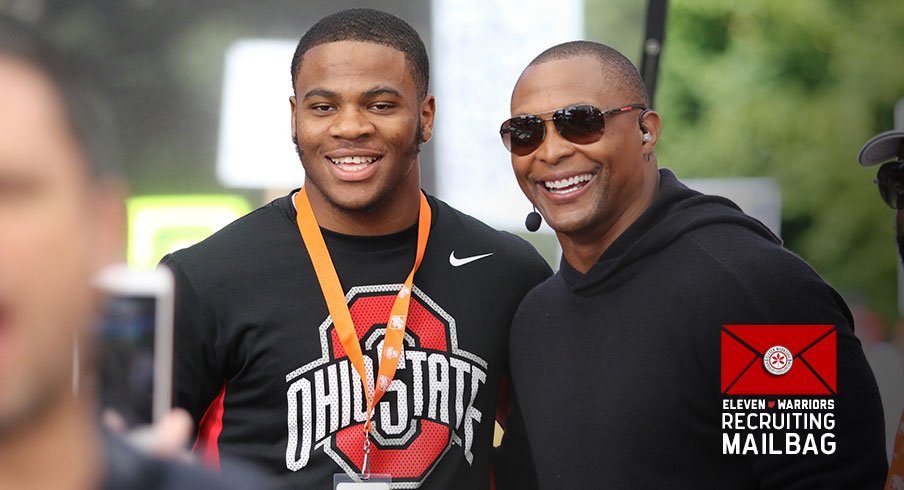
[(532, 223)]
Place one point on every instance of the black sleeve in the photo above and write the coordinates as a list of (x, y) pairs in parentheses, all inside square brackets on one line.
[(197, 376), (859, 460), (512, 463)]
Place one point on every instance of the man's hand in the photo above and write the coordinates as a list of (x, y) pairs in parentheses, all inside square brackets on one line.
[(168, 438)]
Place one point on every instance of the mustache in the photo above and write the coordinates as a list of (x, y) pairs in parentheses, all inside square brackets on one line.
[(418, 140)]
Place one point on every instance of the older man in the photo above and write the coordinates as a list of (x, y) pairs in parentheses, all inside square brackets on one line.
[(620, 359)]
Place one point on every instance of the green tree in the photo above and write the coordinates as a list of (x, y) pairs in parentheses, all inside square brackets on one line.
[(789, 90)]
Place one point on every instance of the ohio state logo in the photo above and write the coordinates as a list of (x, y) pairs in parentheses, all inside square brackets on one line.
[(427, 408)]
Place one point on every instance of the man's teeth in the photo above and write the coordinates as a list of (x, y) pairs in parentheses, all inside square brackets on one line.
[(353, 160), (565, 185)]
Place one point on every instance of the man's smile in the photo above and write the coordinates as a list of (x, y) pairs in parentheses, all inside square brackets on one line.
[(564, 187), (567, 185), (353, 164)]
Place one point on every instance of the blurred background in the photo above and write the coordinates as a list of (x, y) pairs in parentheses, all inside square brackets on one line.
[(771, 98)]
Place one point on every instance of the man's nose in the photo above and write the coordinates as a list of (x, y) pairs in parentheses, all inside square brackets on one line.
[(554, 148), (351, 123)]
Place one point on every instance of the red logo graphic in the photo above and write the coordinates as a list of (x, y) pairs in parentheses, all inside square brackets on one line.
[(779, 359), (409, 456), (428, 408)]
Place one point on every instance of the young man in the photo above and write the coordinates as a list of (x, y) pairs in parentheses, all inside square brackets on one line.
[(281, 314), (61, 219), (888, 149), (616, 359)]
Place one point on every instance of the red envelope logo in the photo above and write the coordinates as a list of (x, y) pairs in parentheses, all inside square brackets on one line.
[(779, 359)]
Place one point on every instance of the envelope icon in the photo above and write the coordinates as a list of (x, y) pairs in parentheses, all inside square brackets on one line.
[(801, 359)]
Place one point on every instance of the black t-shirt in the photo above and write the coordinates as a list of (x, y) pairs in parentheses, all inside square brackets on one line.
[(257, 357)]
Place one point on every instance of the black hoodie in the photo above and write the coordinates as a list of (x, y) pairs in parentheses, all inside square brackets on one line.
[(618, 370)]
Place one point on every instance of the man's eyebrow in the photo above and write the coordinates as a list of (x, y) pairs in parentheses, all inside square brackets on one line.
[(321, 92), (378, 91)]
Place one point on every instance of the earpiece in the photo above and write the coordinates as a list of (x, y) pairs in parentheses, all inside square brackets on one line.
[(646, 134)]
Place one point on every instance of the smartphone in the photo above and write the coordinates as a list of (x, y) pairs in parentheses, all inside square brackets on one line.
[(134, 344)]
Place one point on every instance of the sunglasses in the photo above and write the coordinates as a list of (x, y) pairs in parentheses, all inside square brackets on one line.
[(581, 124), (890, 180)]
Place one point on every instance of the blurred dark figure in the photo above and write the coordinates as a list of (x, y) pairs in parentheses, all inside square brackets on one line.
[(887, 362), (888, 148), (61, 220)]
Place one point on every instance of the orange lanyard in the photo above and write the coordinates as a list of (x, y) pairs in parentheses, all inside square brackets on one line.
[(338, 308)]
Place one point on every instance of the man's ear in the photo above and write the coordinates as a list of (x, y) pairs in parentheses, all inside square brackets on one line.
[(428, 114), (292, 105), (651, 123)]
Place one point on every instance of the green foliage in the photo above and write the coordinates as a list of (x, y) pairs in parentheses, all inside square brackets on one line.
[(790, 90)]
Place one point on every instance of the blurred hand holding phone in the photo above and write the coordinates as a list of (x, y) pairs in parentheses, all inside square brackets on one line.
[(133, 352)]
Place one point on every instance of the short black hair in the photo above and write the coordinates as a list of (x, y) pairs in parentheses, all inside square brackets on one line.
[(615, 66), (372, 26), (89, 117)]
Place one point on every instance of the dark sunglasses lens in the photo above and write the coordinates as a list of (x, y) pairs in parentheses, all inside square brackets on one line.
[(891, 184), (522, 135), (581, 124)]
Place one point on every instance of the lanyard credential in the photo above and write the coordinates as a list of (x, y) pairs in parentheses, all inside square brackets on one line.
[(342, 319)]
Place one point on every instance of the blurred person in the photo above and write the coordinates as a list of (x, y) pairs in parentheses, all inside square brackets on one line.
[(887, 362), (616, 359), (888, 149), (61, 220), (283, 313)]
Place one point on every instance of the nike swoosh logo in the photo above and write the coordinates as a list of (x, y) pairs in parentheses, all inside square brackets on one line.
[(456, 262)]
